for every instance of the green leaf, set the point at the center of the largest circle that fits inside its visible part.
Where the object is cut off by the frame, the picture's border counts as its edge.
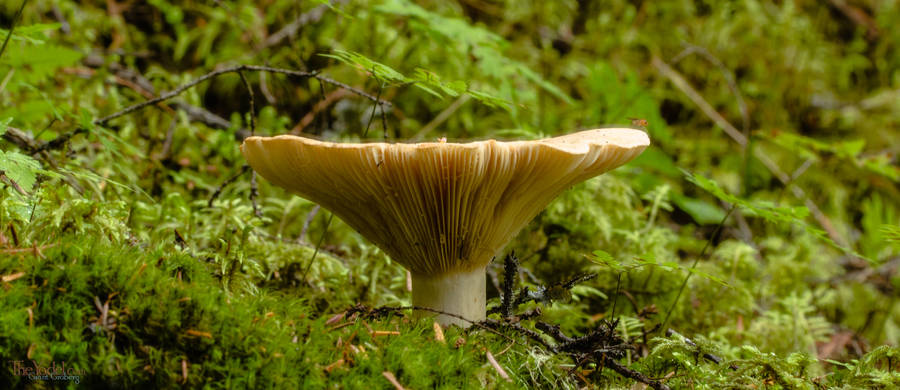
(21, 168)
(703, 212)
(4, 123)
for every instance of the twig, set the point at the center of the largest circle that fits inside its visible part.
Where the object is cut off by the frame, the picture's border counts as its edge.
(729, 79)
(290, 30)
(318, 107)
(318, 245)
(180, 89)
(309, 217)
(141, 85)
(694, 265)
(859, 17)
(12, 183)
(12, 27)
(739, 137)
(167, 143)
(221, 187)
(254, 194)
(510, 271)
(441, 117)
(391, 378)
(374, 106)
(264, 87)
(629, 373)
(252, 102)
(497, 367)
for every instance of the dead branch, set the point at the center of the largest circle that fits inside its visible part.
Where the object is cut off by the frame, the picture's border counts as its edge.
(685, 87)
(232, 69)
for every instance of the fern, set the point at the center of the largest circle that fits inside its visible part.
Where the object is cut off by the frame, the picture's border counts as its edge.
(423, 79)
(484, 45)
(850, 151)
(769, 212)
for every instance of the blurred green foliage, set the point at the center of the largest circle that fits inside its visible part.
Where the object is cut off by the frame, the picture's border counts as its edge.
(207, 294)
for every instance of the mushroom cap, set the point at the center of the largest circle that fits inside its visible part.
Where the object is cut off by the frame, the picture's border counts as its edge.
(436, 207)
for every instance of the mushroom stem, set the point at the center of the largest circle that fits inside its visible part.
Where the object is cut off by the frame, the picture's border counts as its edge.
(460, 293)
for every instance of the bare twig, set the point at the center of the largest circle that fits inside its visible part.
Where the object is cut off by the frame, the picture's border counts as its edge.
(252, 102)
(510, 271)
(374, 106)
(739, 137)
(391, 378)
(254, 194)
(859, 17)
(729, 79)
(180, 89)
(322, 104)
(694, 265)
(12, 183)
(309, 217)
(290, 30)
(224, 184)
(629, 373)
(318, 245)
(141, 85)
(497, 367)
(441, 117)
(264, 87)
(12, 26)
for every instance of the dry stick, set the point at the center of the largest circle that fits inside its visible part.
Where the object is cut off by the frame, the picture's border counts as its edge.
(141, 85)
(12, 26)
(254, 190)
(729, 79)
(629, 373)
(391, 378)
(13, 183)
(180, 89)
(291, 28)
(739, 137)
(318, 245)
(230, 180)
(374, 106)
(309, 217)
(326, 101)
(441, 117)
(510, 270)
(694, 265)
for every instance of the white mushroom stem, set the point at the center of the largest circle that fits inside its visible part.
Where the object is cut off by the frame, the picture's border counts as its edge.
(460, 293)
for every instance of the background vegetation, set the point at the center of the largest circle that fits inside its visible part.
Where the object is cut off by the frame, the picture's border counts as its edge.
(762, 228)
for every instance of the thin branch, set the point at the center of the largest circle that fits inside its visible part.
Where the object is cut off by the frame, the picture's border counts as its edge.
(510, 271)
(290, 30)
(739, 137)
(224, 184)
(632, 374)
(254, 194)
(374, 106)
(12, 183)
(318, 245)
(309, 217)
(252, 102)
(12, 26)
(729, 79)
(184, 87)
(141, 85)
(694, 265)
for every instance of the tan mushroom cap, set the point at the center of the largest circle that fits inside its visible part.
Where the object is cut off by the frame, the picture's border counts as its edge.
(435, 207)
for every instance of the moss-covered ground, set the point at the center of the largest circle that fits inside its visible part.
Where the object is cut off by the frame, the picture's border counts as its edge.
(754, 245)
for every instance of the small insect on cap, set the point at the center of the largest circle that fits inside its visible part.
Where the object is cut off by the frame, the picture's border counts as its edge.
(442, 210)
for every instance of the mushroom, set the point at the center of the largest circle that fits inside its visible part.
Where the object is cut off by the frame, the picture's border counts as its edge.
(442, 210)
